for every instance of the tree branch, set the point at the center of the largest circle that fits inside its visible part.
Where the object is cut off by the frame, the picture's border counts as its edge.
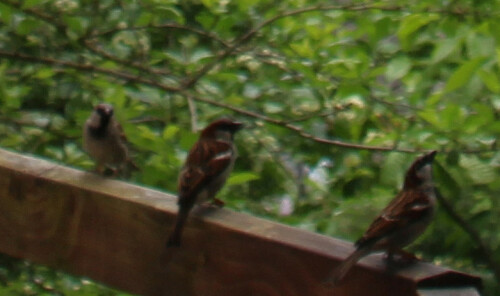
(88, 68)
(300, 131)
(90, 45)
(138, 79)
(238, 42)
(37, 14)
(165, 26)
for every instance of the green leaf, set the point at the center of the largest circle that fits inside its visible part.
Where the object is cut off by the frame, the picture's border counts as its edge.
(431, 116)
(483, 117)
(146, 132)
(479, 45)
(242, 177)
(187, 140)
(303, 47)
(170, 14)
(463, 74)
(490, 79)
(45, 73)
(411, 24)
(76, 26)
(199, 55)
(30, 3)
(205, 19)
(443, 49)
(452, 117)
(478, 171)
(170, 131)
(398, 68)
(498, 56)
(13, 102)
(144, 19)
(393, 169)
(27, 26)
(5, 13)
(273, 107)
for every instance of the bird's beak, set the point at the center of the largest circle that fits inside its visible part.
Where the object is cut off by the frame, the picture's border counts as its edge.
(238, 126)
(429, 157)
(108, 111)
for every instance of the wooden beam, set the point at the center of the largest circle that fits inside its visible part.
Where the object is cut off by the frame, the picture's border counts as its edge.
(460, 291)
(115, 233)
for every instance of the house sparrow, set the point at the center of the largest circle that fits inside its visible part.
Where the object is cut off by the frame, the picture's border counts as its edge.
(401, 222)
(105, 142)
(207, 168)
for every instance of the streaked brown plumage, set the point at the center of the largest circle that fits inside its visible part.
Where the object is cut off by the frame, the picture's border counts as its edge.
(401, 222)
(207, 167)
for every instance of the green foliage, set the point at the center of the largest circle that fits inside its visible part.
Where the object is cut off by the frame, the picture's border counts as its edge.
(419, 77)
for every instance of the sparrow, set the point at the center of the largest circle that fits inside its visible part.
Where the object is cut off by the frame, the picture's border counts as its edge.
(207, 167)
(401, 222)
(105, 141)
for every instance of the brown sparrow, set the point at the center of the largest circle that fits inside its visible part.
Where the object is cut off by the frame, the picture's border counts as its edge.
(105, 142)
(207, 167)
(401, 222)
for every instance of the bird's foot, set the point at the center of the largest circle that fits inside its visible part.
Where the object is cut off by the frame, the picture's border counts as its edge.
(217, 202)
(401, 257)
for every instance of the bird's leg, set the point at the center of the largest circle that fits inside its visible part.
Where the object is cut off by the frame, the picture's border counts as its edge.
(98, 169)
(407, 256)
(389, 256)
(217, 202)
(400, 257)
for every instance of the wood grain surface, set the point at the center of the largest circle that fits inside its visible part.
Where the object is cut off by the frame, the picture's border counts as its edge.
(115, 233)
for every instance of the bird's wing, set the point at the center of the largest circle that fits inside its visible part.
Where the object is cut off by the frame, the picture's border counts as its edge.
(206, 161)
(407, 207)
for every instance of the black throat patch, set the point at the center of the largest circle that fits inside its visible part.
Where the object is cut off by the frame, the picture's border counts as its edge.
(100, 131)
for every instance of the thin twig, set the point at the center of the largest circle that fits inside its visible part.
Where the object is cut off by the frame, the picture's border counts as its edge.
(238, 42)
(90, 45)
(194, 117)
(37, 14)
(278, 122)
(147, 120)
(86, 41)
(320, 115)
(164, 26)
(88, 68)
(300, 131)
(394, 105)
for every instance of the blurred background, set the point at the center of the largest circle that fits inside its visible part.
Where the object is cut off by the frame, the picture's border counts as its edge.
(338, 99)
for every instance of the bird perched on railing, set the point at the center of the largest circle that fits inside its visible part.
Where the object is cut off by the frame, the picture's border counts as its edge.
(401, 222)
(105, 141)
(207, 167)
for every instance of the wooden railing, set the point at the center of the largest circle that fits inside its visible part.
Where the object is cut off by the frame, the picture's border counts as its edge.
(115, 233)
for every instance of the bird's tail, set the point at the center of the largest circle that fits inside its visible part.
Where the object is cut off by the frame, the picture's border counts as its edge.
(341, 270)
(175, 238)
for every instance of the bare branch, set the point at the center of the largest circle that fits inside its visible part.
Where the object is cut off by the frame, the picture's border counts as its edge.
(194, 117)
(90, 45)
(300, 131)
(37, 14)
(278, 122)
(88, 68)
(165, 26)
(238, 42)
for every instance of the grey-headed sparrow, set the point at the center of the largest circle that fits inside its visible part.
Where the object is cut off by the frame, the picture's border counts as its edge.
(105, 142)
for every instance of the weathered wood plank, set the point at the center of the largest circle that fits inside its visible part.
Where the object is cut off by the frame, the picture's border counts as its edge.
(461, 291)
(115, 232)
